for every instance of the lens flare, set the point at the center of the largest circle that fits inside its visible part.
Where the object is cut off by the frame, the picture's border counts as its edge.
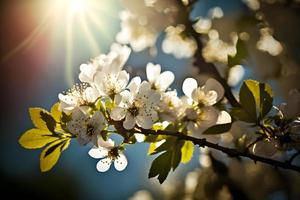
(77, 6)
(65, 19)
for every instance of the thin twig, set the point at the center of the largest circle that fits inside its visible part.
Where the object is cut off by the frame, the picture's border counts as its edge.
(229, 151)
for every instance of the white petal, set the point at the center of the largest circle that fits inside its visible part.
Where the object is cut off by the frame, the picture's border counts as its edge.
(139, 137)
(129, 122)
(165, 80)
(121, 162)
(105, 144)
(144, 121)
(118, 113)
(98, 121)
(123, 79)
(70, 100)
(134, 84)
(188, 86)
(224, 117)
(210, 116)
(104, 165)
(91, 94)
(87, 72)
(212, 84)
(98, 152)
(211, 97)
(152, 72)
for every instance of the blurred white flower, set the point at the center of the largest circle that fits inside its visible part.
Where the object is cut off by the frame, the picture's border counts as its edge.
(79, 95)
(159, 81)
(203, 25)
(252, 4)
(141, 195)
(291, 109)
(268, 43)
(217, 50)
(137, 106)
(236, 74)
(266, 147)
(86, 128)
(108, 153)
(134, 31)
(170, 107)
(176, 43)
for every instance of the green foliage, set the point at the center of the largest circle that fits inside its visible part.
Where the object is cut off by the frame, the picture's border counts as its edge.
(42, 119)
(173, 151)
(187, 151)
(256, 101)
(47, 132)
(217, 129)
(52, 152)
(36, 138)
(241, 54)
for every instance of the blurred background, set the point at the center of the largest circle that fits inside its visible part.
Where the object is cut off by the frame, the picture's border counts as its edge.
(43, 43)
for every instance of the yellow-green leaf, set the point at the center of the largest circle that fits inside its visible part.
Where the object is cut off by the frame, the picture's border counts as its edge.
(187, 151)
(42, 119)
(51, 154)
(55, 112)
(36, 138)
(152, 148)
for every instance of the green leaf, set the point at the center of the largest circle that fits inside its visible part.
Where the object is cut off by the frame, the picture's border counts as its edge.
(51, 154)
(248, 95)
(42, 119)
(152, 148)
(55, 112)
(165, 146)
(217, 129)
(266, 99)
(36, 138)
(256, 100)
(168, 160)
(241, 54)
(161, 166)
(187, 151)
(176, 154)
(241, 114)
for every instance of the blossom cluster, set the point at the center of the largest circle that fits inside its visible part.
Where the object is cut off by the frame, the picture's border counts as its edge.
(134, 103)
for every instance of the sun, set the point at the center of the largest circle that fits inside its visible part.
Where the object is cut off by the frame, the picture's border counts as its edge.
(77, 6)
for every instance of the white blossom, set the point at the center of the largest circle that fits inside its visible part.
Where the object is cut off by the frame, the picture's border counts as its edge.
(177, 44)
(207, 95)
(111, 80)
(159, 81)
(79, 95)
(199, 101)
(109, 153)
(138, 106)
(291, 109)
(86, 128)
(134, 31)
(170, 107)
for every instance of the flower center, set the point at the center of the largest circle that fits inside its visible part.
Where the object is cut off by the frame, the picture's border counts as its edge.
(134, 111)
(90, 129)
(113, 153)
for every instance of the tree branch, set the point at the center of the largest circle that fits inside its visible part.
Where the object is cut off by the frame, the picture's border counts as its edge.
(229, 151)
(204, 143)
